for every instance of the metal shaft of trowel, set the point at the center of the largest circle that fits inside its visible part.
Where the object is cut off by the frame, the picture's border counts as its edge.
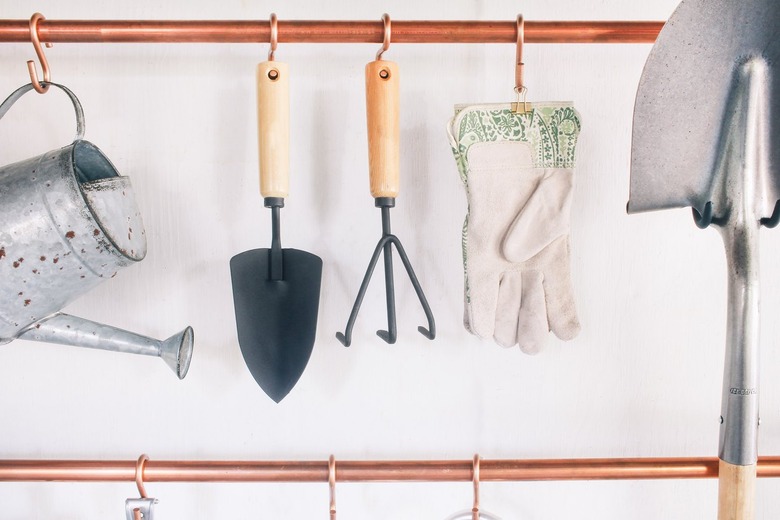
(276, 271)
(390, 336)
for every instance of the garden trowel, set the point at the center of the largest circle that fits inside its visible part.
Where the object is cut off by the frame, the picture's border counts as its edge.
(276, 292)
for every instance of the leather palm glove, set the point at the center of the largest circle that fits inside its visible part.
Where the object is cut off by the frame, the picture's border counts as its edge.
(518, 174)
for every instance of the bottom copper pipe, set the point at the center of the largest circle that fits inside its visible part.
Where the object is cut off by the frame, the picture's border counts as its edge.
(370, 471)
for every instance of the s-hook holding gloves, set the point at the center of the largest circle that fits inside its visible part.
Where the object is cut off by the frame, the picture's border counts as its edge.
(518, 174)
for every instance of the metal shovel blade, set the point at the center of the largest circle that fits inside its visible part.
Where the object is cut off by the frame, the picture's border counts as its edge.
(705, 135)
(276, 320)
(686, 94)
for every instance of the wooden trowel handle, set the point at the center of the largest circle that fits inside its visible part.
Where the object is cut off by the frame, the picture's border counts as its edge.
(736, 491)
(384, 131)
(273, 128)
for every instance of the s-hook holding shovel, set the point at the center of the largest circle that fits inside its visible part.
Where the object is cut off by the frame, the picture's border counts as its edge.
(706, 136)
(383, 120)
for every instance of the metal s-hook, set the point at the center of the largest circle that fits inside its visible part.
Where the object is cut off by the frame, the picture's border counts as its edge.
(332, 485)
(274, 38)
(386, 37)
(475, 480)
(139, 474)
(140, 508)
(521, 106)
(519, 53)
(40, 88)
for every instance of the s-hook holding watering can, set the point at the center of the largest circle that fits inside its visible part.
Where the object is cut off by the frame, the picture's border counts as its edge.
(69, 221)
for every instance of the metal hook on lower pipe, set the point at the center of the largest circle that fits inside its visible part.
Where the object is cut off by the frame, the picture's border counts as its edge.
(332, 485)
(140, 508)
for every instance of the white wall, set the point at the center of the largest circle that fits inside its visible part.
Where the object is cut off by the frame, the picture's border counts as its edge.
(642, 379)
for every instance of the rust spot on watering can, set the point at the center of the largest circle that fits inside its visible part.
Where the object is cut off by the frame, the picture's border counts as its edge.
(2, 252)
(96, 232)
(70, 234)
(56, 259)
(27, 302)
(43, 258)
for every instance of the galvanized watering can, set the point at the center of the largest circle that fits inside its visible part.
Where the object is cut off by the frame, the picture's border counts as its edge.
(68, 221)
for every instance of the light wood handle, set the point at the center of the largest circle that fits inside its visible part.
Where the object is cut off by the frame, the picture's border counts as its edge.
(273, 128)
(736, 491)
(384, 129)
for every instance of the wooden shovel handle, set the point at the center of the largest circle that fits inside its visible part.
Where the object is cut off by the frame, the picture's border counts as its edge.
(736, 491)
(273, 128)
(384, 131)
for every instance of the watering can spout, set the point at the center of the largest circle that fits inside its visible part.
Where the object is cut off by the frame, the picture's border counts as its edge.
(65, 329)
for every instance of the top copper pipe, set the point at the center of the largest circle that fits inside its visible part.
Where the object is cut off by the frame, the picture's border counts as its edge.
(370, 471)
(311, 31)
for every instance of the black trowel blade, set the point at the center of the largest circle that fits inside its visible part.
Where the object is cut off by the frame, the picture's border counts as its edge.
(276, 320)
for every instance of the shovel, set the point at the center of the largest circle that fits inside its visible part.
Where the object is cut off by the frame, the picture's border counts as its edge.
(276, 292)
(704, 136)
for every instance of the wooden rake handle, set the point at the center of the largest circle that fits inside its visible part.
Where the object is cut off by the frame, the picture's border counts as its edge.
(384, 131)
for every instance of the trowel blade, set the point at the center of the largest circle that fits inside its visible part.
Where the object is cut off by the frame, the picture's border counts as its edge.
(276, 320)
(687, 98)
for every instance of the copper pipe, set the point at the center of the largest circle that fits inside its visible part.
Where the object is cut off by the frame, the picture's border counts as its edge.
(318, 31)
(370, 471)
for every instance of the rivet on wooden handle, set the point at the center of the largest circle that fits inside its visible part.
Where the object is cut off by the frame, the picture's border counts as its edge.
(273, 128)
(384, 130)
(736, 491)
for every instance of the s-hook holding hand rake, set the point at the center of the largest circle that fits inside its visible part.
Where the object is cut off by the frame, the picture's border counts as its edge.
(383, 163)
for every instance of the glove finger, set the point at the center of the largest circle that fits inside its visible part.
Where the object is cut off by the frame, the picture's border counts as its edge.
(481, 303)
(532, 317)
(559, 294)
(508, 308)
(543, 219)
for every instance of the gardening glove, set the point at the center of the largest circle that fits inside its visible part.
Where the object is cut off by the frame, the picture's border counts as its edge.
(517, 170)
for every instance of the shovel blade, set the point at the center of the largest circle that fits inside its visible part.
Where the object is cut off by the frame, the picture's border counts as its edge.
(686, 113)
(276, 320)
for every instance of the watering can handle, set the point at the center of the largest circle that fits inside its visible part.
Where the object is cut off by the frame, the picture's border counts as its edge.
(10, 100)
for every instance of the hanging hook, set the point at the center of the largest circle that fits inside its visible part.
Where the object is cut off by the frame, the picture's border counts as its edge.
(475, 480)
(519, 54)
(386, 38)
(521, 107)
(140, 508)
(139, 482)
(139, 474)
(274, 39)
(40, 88)
(332, 485)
